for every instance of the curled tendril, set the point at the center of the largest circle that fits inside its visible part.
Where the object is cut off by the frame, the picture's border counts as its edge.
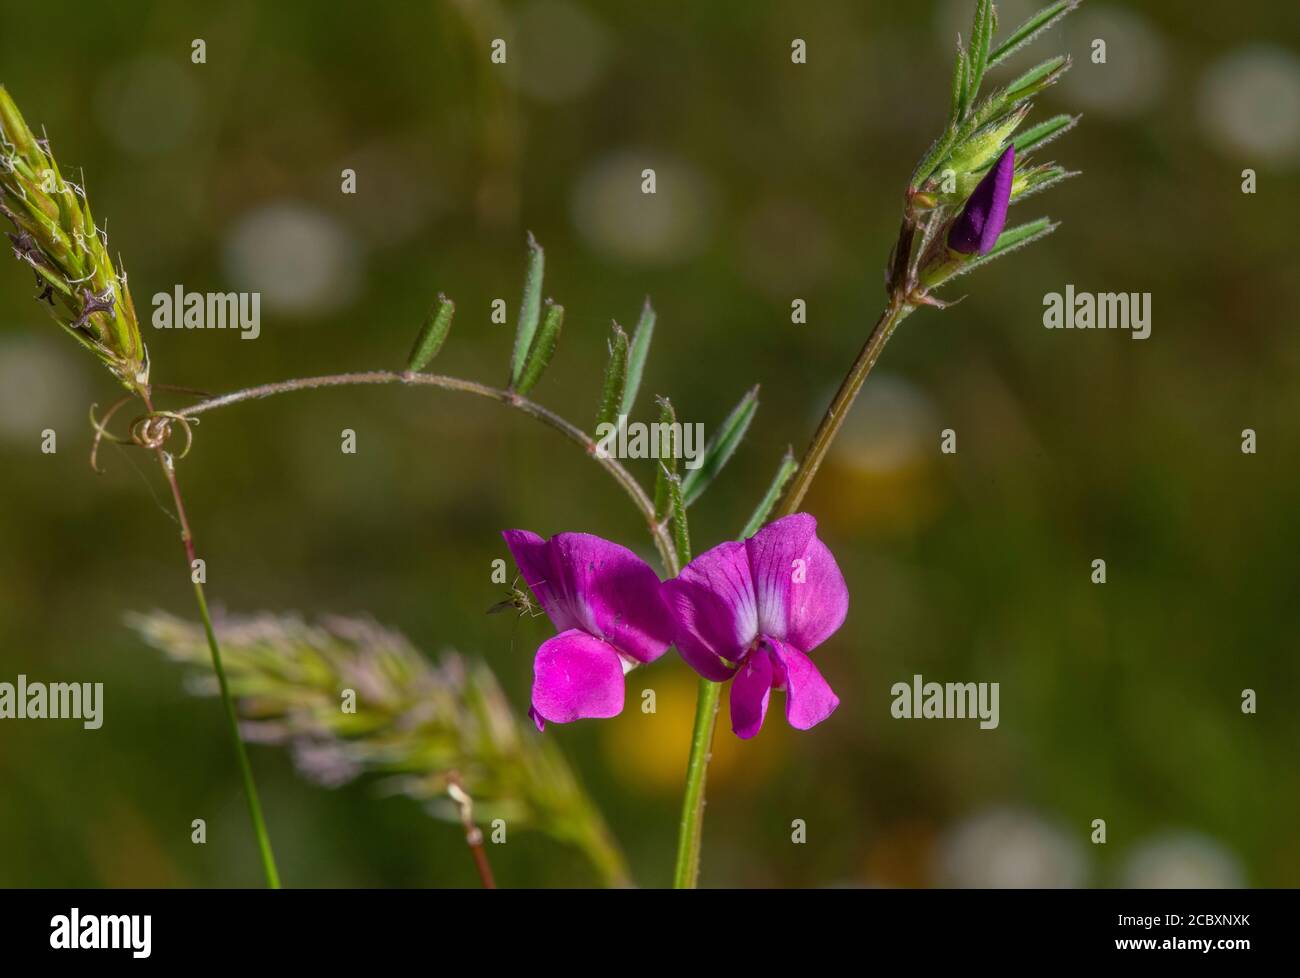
(102, 432)
(150, 431)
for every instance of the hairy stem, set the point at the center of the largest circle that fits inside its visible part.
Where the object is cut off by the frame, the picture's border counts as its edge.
(662, 538)
(245, 769)
(815, 453)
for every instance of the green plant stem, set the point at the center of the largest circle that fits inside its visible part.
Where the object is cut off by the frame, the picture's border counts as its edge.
(815, 453)
(690, 835)
(245, 769)
(686, 875)
(659, 533)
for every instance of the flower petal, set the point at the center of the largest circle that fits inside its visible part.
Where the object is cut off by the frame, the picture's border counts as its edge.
(582, 581)
(801, 594)
(712, 601)
(614, 593)
(808, 697)
(750, 691)
(981, 221)
(576, 676)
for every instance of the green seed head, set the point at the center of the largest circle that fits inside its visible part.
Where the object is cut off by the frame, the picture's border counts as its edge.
(54, 233)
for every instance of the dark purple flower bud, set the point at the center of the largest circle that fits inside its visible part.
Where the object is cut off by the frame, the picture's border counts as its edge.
(976, 229)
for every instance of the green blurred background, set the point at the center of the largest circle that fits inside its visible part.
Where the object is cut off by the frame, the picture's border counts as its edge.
(775, 181)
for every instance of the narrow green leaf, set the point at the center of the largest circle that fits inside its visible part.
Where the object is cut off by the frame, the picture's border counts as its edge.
(980, 40)
(988, 25)
(637, 353)
(1044, 133)
(1019, 236)
(432, 334)
(677, 508)
(1030, 29)
(543, 348)
(1002, 104)
(1010, 240)
(611, 396)
(530, 309)
(669, 449)
(1037, 179)
(1037, 78)
(721, 447)
(959, 83)
(783, 473)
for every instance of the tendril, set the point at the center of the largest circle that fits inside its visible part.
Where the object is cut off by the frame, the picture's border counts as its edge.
(151, 431)
(102, 432)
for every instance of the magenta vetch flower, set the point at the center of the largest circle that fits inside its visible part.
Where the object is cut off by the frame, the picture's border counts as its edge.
(605, 603)
(753, 611)
(977, 227)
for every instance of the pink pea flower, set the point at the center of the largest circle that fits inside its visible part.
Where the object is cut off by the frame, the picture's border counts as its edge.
(605, 603)
(753, 611)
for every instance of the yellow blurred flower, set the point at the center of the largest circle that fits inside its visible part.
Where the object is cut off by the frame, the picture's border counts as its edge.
(648, 750)
(881, 474)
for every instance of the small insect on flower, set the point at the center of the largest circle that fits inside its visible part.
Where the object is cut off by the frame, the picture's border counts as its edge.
(518, 599)
(609, 618)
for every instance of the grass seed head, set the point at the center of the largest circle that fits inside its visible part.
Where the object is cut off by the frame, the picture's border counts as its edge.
(56, 236)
